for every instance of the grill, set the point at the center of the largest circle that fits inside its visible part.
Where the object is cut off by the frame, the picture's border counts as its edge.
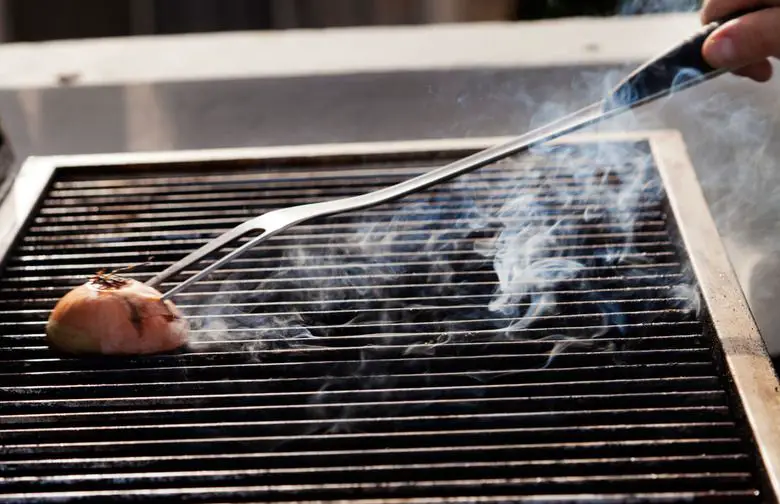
(557, 327)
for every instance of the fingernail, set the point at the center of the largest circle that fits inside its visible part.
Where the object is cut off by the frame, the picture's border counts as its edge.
(722, 52)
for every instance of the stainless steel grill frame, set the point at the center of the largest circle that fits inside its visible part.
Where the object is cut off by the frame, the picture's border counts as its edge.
(746, 362)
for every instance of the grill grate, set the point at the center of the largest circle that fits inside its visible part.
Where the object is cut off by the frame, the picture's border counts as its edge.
(530, 329)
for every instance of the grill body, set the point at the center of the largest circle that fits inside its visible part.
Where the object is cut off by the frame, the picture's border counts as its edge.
(406, 353)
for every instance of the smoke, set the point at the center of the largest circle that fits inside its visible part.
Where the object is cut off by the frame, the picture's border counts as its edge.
(731, 136)
(735, 146)
(560, 252)
(730, 132)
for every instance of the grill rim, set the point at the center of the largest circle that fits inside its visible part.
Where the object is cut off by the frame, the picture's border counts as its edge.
(751, 375)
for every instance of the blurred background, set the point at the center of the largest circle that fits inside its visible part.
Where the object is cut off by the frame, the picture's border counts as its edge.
(39, 20)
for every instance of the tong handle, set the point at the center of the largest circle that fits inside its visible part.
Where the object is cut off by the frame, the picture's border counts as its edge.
(681, 65)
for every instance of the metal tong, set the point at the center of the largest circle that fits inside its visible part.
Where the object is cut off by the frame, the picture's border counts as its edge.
(681, 67)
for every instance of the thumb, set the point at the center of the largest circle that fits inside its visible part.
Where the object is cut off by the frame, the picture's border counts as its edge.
(749, 39)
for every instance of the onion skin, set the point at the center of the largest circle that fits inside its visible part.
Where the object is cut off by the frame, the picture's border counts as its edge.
(110, 315)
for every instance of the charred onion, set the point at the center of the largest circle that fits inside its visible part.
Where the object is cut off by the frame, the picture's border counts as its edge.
(112, 315)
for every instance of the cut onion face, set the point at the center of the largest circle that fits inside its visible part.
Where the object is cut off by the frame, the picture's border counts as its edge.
(111, 315)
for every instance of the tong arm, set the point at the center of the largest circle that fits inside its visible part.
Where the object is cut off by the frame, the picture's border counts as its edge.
(675, 69)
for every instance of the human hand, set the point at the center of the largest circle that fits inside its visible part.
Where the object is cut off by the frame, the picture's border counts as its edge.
(743, 45)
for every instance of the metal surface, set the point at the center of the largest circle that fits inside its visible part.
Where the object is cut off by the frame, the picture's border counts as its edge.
(744, 349)
(374, 400)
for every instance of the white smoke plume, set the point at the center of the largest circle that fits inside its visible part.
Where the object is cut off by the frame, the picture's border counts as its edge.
(506, 254)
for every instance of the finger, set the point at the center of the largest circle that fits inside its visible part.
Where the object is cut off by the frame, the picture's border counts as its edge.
(719, 9)
(750, 39)
(759, 72)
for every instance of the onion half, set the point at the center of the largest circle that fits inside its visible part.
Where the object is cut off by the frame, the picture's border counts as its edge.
(111, 315)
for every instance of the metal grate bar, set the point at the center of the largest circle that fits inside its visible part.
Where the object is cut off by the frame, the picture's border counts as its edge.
(687, 383)
(344, 176)
(538, 377)
(268, 204)
(227, 216)
(229, 191)
(624, 483)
